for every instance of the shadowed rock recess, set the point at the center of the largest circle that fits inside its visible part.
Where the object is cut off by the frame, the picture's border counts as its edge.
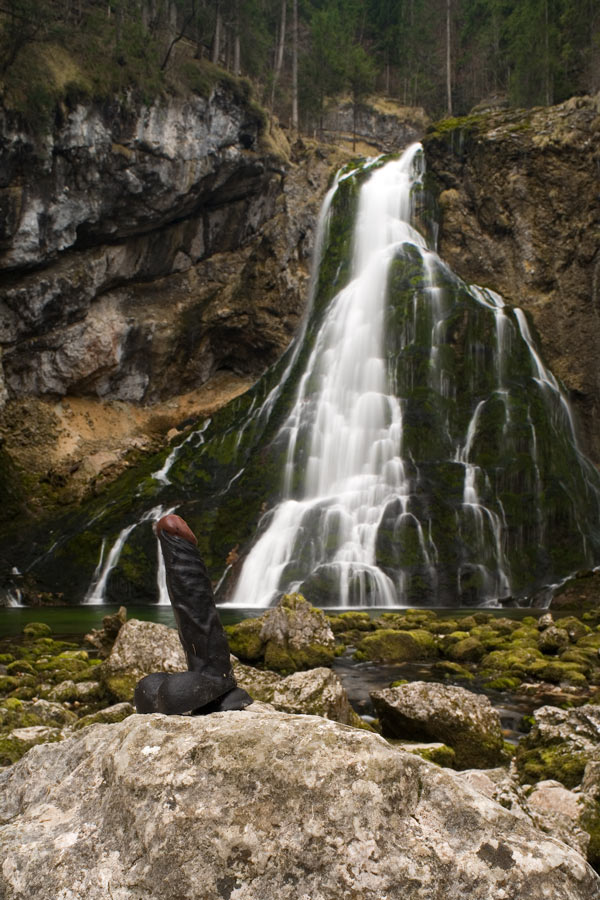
(259, 805)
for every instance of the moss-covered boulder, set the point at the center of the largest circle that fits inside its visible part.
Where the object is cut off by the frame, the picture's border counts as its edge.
(452, 670)
(37, 630)
(389, 645)
(353, 620)
(468, 650)
(560, 744)
(290, 637)
(465, 721)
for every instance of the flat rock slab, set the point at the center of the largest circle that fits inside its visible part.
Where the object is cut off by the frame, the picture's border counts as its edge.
(260, 805)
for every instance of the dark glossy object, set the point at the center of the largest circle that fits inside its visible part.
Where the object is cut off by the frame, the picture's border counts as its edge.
(209, 684)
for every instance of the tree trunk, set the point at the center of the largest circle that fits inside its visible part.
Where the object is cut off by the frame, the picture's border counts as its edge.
(295, 66)
(236, 40)
(279, 51)
(216, 48)
(448, 60)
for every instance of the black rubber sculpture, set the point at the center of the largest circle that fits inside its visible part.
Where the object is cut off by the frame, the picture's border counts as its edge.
(209, 684)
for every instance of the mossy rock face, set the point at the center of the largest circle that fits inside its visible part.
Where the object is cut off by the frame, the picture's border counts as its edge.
(465, 721)
(440, 754)
(20, 667)
(575, 628)
(14, 745)
(121, 686)
(468, 650)
(388, 645)
(351, 621)
(553, 639)
(559, 745)
(37, 630)
(287, 638)
(452, 670)
(245, 641)
(507, 683)
(8, 683)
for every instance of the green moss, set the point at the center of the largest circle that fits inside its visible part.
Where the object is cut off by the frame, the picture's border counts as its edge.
(121, 686)
(590, 822)
(397, 646)
(507, 683)
(441, 755)
(245, 641)
(347, 621)
(468, 650)
(37, 630)
(555, 761)
(20, 667)
(278, 659)
(8, 683)
(452, 670)
(105, 716)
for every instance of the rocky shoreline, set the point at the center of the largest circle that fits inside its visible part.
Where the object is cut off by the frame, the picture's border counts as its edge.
(52, 691)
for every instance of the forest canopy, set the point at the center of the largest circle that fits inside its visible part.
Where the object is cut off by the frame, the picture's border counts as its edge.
(444, 55)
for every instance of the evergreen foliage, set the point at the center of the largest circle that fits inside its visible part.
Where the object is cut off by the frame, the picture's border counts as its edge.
(439, 54)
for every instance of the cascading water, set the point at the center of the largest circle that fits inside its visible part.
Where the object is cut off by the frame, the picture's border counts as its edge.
(378, 432)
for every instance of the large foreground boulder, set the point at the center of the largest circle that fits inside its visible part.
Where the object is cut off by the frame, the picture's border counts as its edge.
(259, 805)
(424, 711)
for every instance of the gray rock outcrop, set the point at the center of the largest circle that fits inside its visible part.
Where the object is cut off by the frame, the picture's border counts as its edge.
(258, 805)
(465, 721)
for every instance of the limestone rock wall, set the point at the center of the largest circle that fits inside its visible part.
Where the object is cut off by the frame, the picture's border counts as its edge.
(144, 248)
(520, 213)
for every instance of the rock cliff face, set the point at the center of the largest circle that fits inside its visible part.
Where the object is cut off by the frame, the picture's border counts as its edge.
(520, 213)
(142, 250)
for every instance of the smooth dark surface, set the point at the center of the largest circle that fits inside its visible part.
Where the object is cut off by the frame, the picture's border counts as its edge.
(209, 684)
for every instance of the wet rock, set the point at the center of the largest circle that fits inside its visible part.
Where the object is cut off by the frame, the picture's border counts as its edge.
(560, 744)
(465, 721)
(203, 806)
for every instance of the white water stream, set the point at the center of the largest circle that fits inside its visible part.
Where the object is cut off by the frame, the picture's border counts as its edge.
(354, 423)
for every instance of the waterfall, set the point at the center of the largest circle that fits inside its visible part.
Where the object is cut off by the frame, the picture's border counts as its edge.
(411, 447)
(405, 443)
(96, 593)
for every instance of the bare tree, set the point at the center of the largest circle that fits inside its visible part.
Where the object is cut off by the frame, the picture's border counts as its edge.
(295, 65)
(216, 48)
(448, 57)
(279, 50)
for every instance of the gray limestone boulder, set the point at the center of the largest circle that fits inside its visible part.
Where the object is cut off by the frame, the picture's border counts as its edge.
(139, 649)
(424, 711)
(260, 805)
